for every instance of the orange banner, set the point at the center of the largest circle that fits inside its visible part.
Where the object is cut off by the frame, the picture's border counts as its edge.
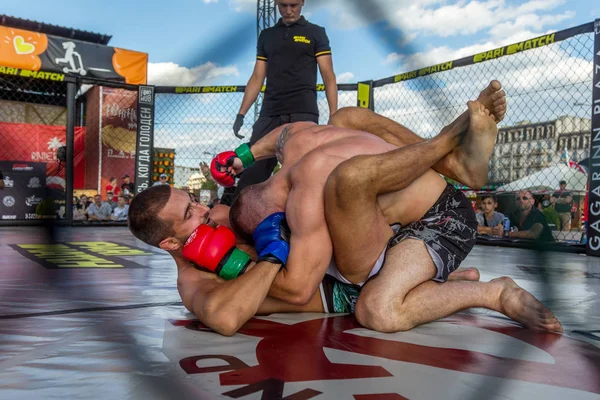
(23, 51)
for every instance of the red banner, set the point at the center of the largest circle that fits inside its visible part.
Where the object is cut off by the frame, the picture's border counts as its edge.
(39, 143)
(119, 130)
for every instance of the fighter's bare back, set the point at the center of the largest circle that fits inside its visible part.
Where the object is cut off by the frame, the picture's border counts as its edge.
(312, 152)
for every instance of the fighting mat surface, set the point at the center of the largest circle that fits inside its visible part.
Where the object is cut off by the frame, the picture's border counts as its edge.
(97, 316)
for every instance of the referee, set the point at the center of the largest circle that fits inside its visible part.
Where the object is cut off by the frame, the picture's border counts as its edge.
(287, 55)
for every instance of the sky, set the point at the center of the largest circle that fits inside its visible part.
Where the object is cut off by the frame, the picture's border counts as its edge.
(212, 42)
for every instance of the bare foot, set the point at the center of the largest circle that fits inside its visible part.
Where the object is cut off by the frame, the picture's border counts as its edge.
(494, 99)
(473, 154)
(523, 307)
(464, 274)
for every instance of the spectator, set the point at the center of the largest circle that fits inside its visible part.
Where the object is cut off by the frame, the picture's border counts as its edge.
(85, 203)
(99, 210)
(121, 210)
(287, 55)
(109, 200)
(127, 187)
(529, 221)
(563, 202)
(490, 222)
(162, 180)
(79, 210)
(550, 213)
(114, 189)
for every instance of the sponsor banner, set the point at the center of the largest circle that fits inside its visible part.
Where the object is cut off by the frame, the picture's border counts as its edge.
(26, 73)
(493, 54)
(24, 50)
(24, 191)
(81, 254)
(593, 231)
(234, 89)
(145, 139)
(119, 130)
(33, 143)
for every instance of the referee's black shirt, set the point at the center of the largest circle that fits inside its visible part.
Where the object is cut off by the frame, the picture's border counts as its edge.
(291, 54)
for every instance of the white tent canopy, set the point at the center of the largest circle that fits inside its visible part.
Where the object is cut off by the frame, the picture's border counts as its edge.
(548, 179)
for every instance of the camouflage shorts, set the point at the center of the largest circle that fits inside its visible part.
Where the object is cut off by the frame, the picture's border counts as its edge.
(338, 297)
(449, 229)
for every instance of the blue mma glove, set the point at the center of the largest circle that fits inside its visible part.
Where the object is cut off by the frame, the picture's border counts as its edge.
(271, 239)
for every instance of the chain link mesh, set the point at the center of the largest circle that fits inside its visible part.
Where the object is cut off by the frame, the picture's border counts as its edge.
(544, 138)
(32, 132)
(547, 128)
(195, 127)
(105, 144)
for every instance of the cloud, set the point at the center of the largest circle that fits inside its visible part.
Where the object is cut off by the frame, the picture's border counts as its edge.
(210, 1)
(345, 77)
(243, 5)
(524, 22)
(393, 58)
(443, 18)
(171, 74)
(449, 20)
(541, 85)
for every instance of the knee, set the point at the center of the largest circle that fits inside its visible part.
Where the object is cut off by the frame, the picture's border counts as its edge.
(381, 316)
(349, 175)
(340, 183)
(344, 117)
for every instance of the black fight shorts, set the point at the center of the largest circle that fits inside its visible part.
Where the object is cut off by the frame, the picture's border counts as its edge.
(448, 229)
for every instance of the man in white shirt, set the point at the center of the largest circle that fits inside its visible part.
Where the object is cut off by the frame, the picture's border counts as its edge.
(121, 210)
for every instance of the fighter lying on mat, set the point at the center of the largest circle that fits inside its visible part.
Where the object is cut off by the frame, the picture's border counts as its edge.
(363, 197)
(227, 305)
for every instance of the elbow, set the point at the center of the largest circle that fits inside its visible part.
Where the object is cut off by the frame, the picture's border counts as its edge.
(301, 297)
(219, 320)
(226, 325)
(227, 329)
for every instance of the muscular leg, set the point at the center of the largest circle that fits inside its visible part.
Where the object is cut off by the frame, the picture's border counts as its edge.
(464, 274)
(358, 228)
(403, 295)
(468, 163)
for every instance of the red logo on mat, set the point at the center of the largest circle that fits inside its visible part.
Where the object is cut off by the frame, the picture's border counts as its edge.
(295, 353)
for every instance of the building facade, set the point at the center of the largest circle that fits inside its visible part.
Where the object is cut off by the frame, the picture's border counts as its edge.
(526, 148)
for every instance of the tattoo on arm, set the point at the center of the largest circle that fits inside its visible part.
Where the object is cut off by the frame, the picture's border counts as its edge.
(283, 137)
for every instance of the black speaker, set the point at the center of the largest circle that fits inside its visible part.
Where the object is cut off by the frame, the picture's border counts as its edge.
(61, 153)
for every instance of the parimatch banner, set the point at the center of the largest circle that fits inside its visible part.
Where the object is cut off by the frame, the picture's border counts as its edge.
(22, 52)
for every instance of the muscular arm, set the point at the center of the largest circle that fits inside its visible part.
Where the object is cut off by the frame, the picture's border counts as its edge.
(225, 305)
(254, 86)
(271, 144)
(329, 79)
(311, 249)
